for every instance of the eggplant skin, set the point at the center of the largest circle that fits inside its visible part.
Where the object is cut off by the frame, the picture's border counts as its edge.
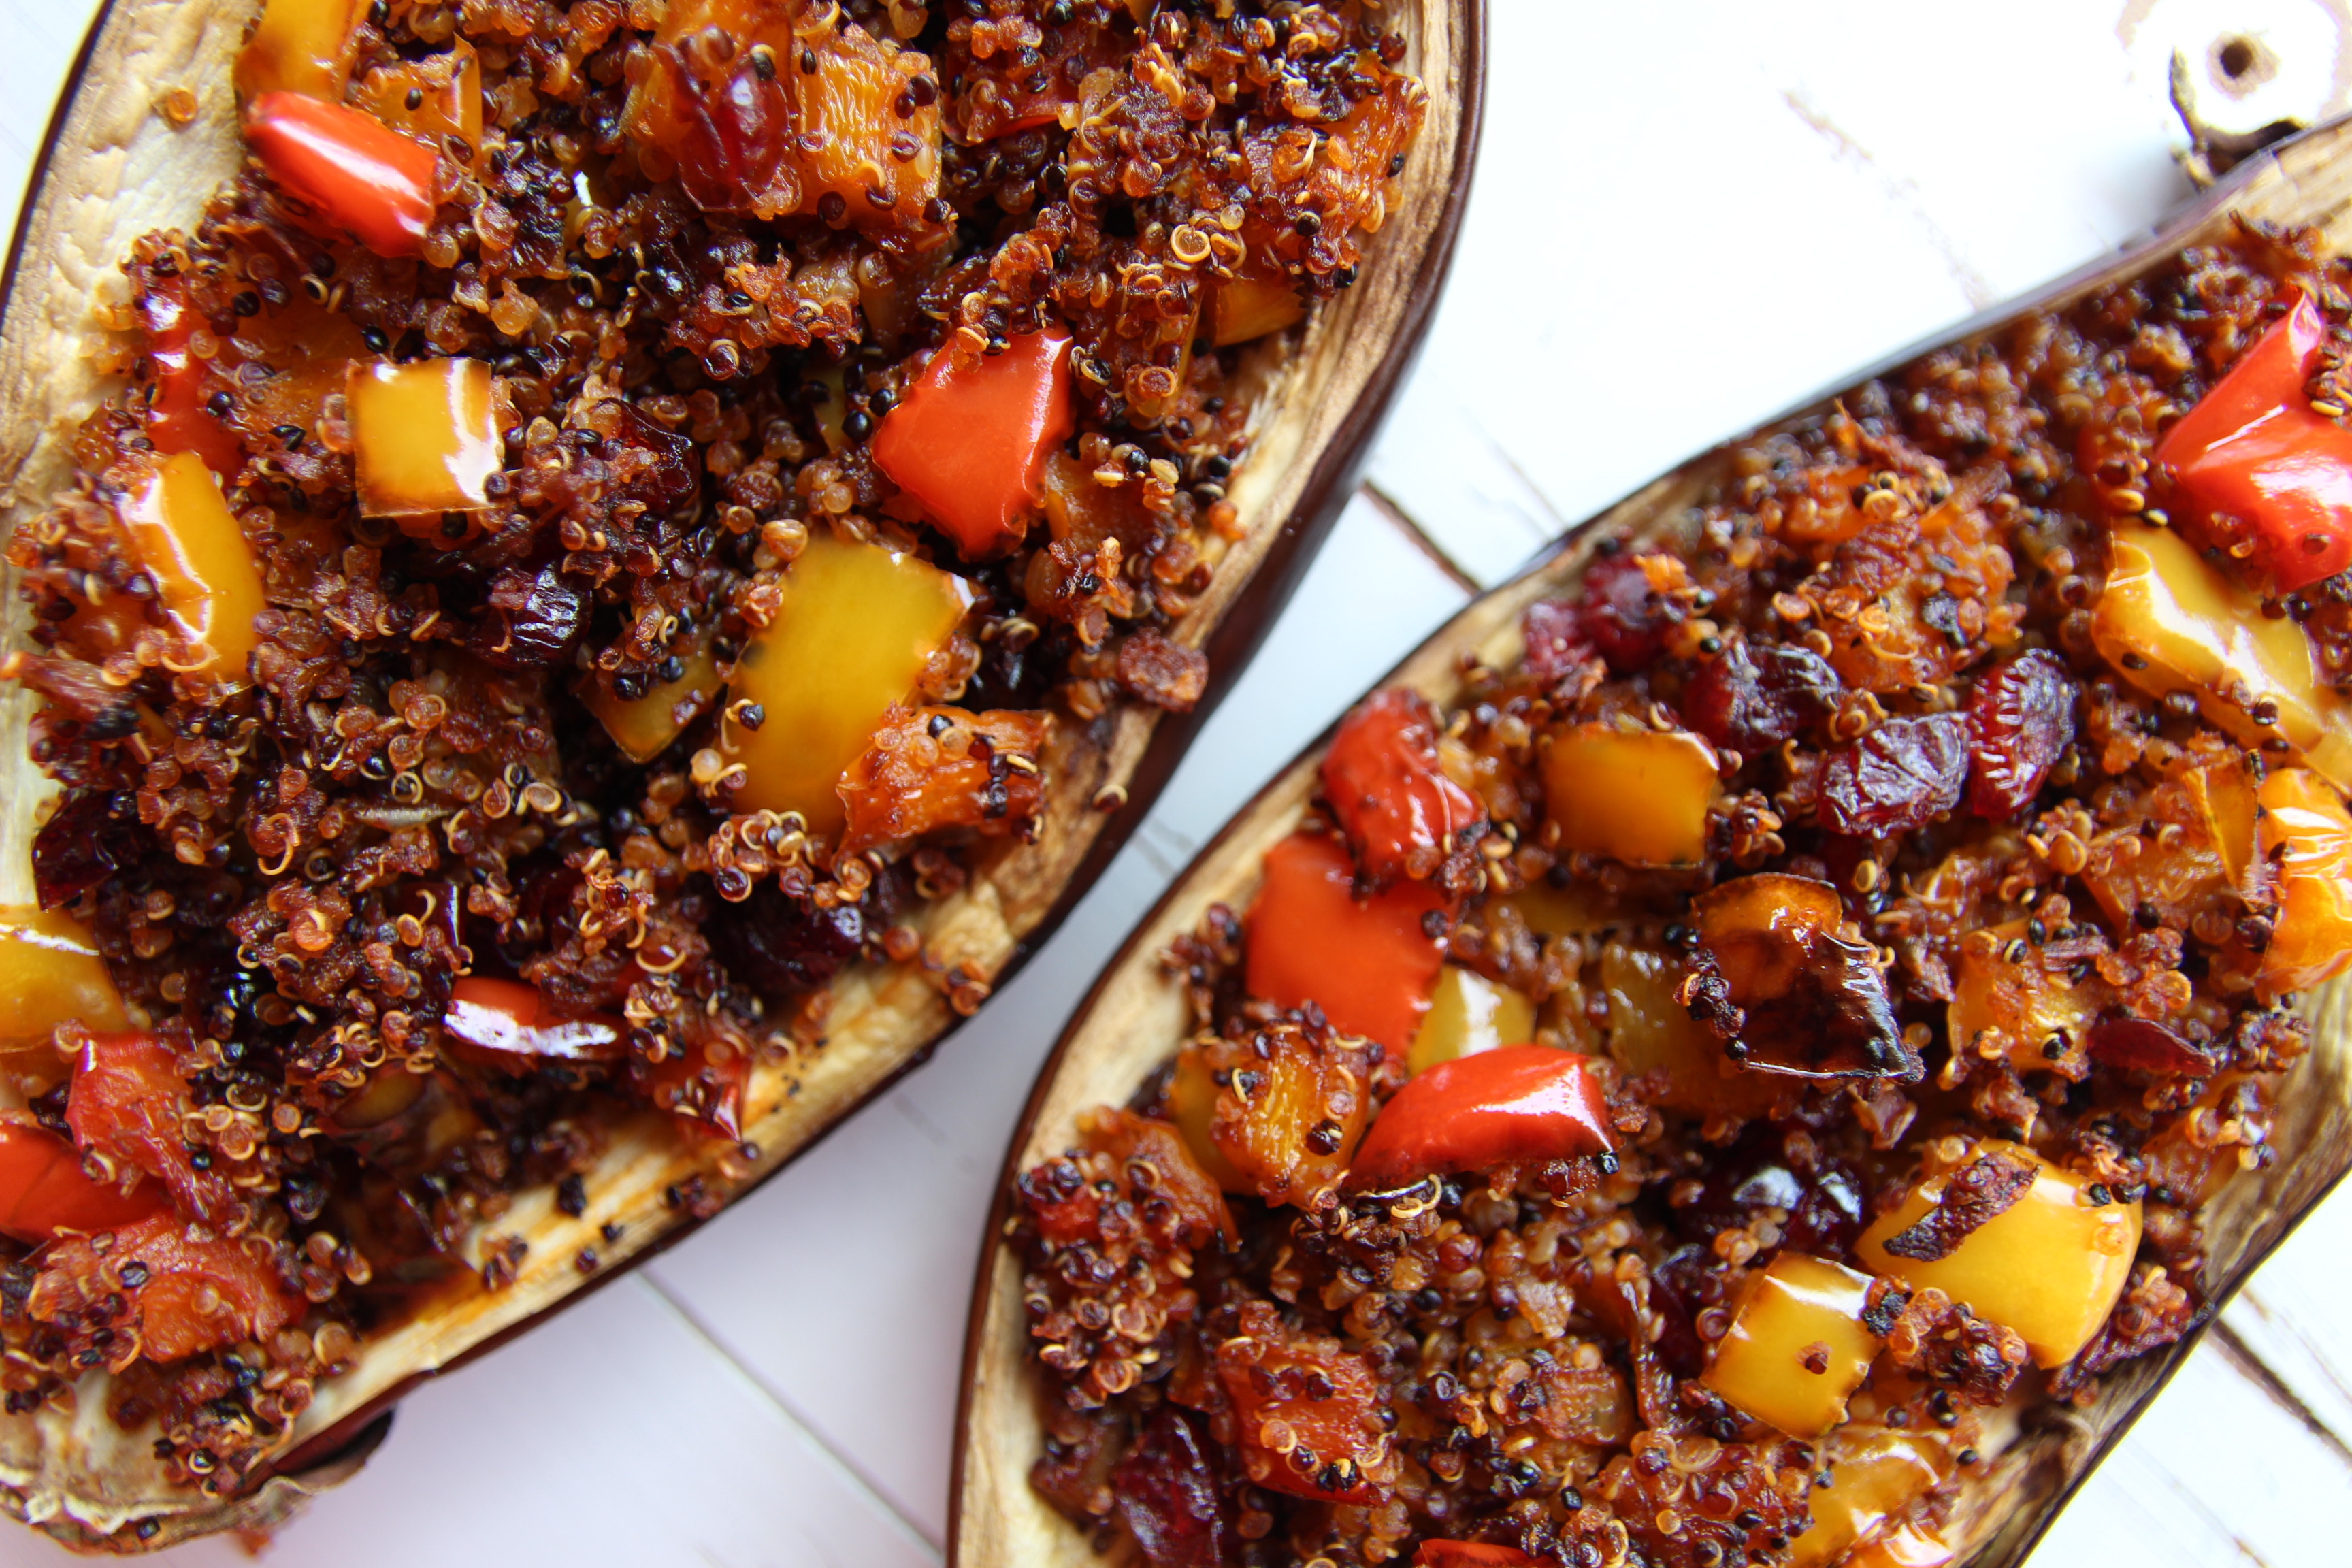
(115, 168)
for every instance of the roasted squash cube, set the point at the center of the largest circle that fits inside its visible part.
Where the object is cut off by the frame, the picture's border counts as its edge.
(2008, 1000)
(190, 544)
(2186, 852)
(1468, 1014)
(299, 46)
(855, 146)
(932, 768)
(51, 973)
(1807, 994)
(433, 99)
(1797, 1349)
(1636, 796)
(2306, 835)
(1252, 306)
(1192, 1103)
(2050, 1266)
(1292, 1102)
(857, 625)
(1306, 1411)
(2168, 622)
(1876, 1472)
(200, 1291)
(1650, 1031)
(425, 439)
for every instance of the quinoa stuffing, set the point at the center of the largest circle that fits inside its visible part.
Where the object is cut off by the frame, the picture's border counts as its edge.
(1684, 1102)
(618, 507)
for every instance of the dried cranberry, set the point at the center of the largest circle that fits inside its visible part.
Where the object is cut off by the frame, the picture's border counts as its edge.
(1617, 617)
(1555, 639)
(80, 846)
(2020, 722)
(656, 465)
(731, 134)
(1823, 1203)
(532, 622)
(1167, 1495)
(782, 945)
(2147, 1046)
(1686, 1282)
(1749, 700)
(1904, 775)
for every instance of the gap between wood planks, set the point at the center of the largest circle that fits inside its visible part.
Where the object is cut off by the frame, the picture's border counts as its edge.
(1419, 538)
(852, 1472)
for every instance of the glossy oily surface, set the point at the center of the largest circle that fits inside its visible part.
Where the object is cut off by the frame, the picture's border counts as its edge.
(50, 972)
(191, 544)
(1796, 1346)
(1638, 796)
(425, 439)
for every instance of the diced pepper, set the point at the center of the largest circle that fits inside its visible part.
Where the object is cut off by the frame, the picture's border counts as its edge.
(2030, 1010)
(857, 625)
(1812, 1002)
(2051, 1265)
(1251, 306)
(643, 726)
(2306, 838)
(299, 46)
(425, 439)
(932, 768)
(1370, 963)
(51, 973)
(1876, 1472)
(126, 1103)
(359, 174)
(2253, 450)
(200, 1291)
(1518, 1104)
(44, 1190)
(970, 439)
(1468, 1013)
(508, 1019)
(447, 88)
(189, 542)
(1400, 813)
(703, 1086)
(2170, 623)
(1292, 1104)
(882, 166)
(1650, 1031)
(177, 419)
(1192, 1103)
(1797, 1349)
(1636, 796)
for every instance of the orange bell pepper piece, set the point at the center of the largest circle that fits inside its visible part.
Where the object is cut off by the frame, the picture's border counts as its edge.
(969, 441)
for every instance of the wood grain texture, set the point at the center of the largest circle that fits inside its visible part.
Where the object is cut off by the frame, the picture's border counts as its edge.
(1136, 1017)
(116, 169)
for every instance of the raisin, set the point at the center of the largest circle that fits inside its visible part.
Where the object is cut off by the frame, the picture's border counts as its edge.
(1825, 1204)
(782, 945)
(2147, 1046)
(532, 622)
(1167, 1495)
(1904, 775)
(1749, 700)
(2020, 721)
(79, 846)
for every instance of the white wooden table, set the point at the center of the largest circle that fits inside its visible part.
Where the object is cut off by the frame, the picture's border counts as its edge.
(1728, 205)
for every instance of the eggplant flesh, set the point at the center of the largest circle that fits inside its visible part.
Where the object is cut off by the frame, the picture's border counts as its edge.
(1136, 1018)
(116, 167)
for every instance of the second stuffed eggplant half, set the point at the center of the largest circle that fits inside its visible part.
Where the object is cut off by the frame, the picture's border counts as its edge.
(1756, 1046)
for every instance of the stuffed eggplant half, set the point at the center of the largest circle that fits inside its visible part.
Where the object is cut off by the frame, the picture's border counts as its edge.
(584, 576)
(1755, 1048)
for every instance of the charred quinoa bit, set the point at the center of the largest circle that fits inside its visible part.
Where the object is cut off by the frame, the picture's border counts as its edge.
(1892, 1031)
(455, 631)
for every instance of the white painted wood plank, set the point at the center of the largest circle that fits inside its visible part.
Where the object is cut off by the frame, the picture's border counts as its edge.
(842, 1285)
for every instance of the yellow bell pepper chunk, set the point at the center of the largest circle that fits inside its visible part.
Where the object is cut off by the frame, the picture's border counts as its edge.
(1192, 1102)
(51, 973)
(1876, 1472)
(1247, 308)
(1576, 909)
(1797, 1349)
(1636, 796)
(858, 624)
(448, 88)
(643, 726)
(2170, 623)
(2036, 1017)
(2051, 1265)
(1468, 1014)
(191, 545)
(425, 438)
(1649, 1031)
(299, 46)
(2306, 835)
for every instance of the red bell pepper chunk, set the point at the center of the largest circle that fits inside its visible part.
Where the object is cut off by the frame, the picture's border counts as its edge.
(355, 169)
(1382, 779)
(177, 420)
(1507, 1105)
(969, 441)
(508, 1019)
(127, 1102)
(1469, 1554)
(1371, 963)
(2253, 448)
(704, 1092)
(195, 1292)
(44, 1190)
